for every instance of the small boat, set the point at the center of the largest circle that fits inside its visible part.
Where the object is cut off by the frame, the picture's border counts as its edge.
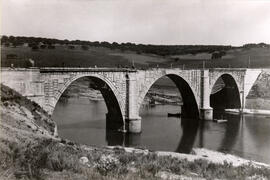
(152, 102)
(220, 120)
(95, 99)
(122, 130)
(174, 114)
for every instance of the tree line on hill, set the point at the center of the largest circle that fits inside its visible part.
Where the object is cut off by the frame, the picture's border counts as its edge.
(162, 50)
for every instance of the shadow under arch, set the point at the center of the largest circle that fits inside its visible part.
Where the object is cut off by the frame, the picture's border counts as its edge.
(114, 116)
(190, 106)
(190, 129)
(225, 94)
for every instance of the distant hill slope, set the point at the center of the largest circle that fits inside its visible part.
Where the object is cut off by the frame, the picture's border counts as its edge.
(60, 56)
(20, 56)
(241, 57)
(40, 52)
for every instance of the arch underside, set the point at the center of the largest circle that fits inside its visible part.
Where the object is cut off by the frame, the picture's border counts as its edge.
(227, 97)
(189, 107)
(114, 116)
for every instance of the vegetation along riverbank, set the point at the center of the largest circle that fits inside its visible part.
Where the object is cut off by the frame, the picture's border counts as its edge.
(31, 149)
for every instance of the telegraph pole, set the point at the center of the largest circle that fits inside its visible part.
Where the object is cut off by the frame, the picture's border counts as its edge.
(203, 65)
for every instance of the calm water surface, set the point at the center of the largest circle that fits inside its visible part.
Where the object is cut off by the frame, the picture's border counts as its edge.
(83, 121)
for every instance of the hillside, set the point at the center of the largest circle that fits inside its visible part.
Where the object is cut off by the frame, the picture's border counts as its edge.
(261, 87)
(240, 57)
(19, 112)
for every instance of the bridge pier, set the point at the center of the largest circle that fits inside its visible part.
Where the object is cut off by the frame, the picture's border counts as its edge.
(134, 125)
(133, 119)
(206, 112)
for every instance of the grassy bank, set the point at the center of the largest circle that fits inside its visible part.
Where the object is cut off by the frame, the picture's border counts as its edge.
(60, 160)
(29, 149)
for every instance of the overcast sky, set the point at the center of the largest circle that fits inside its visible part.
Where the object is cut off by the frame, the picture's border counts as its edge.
(234, 22)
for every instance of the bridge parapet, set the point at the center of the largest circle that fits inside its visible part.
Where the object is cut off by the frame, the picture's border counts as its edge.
(86, 69)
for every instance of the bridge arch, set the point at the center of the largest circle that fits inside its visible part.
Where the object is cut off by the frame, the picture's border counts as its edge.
(190, 105)
(115, 107)
(225, 93)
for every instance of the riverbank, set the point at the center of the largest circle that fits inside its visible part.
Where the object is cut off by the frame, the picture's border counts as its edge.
(30, 149)
(249, 111)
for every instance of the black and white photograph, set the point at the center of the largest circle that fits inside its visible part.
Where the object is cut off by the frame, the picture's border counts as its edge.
(135, 89)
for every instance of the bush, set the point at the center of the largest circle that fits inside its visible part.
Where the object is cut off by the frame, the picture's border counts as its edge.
(84, 47)
(35, 48)
(43, 46)
(51, 47)
(107, 163)
(71, 47)
(12, 56)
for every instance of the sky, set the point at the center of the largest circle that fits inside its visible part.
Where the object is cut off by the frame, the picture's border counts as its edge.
(228, 22)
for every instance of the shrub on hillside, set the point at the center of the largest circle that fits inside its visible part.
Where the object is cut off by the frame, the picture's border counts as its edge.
(51, 47)
(84, 47)
(7, 44)
(12, 56)
(71, 47)
(43, 46)
(218, 54)
(35, 48)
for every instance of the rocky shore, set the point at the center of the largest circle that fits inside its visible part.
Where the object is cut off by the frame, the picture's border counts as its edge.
(31, 149)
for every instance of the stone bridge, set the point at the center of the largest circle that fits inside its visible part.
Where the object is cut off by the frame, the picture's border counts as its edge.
(124, 89)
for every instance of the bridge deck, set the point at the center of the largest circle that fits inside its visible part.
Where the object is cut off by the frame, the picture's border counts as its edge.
(104, 69)
(75, 69)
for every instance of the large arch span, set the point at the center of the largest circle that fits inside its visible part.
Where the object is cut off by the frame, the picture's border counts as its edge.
(225, 93)
(115, 114)
(190, 106)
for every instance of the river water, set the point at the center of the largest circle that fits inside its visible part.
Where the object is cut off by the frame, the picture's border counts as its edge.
(83, 121)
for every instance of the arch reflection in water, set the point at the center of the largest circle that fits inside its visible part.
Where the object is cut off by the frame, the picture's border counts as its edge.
(220, 136)
(190, 128)
(188, 132)
(232, 130)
